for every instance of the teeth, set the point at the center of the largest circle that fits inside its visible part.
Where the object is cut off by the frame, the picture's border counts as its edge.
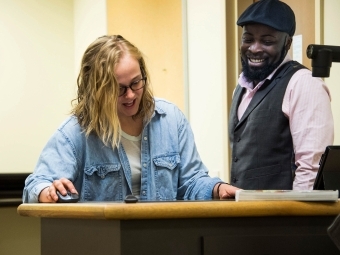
(129, 103)
(255, 60)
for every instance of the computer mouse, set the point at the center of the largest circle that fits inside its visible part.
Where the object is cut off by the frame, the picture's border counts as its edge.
(131, 199)
(68, 198)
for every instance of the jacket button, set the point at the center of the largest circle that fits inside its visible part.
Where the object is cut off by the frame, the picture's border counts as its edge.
(235, 159)
(234, 179)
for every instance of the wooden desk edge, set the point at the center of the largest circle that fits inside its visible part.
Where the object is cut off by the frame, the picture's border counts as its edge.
(173, 210)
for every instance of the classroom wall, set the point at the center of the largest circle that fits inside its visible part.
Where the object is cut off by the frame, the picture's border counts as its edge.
(41, 46)
(332, 37)
(207, 72)
(36, 77)
(90, 22)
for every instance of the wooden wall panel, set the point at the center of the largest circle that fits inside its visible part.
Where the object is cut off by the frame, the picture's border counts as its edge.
(155, 27)
(305, 24)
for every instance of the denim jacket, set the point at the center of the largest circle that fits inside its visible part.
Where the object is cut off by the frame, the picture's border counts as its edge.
(171, 168)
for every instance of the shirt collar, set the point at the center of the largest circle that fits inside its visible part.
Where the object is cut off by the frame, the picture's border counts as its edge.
(159, 109)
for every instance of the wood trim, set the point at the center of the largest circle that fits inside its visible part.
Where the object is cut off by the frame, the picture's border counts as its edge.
(173, 210)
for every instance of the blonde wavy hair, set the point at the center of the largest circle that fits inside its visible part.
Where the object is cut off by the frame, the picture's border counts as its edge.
(97, 96)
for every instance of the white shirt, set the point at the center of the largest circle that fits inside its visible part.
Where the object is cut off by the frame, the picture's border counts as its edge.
(131, 145)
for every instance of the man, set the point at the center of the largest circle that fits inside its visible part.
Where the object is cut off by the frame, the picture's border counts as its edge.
(280, 120)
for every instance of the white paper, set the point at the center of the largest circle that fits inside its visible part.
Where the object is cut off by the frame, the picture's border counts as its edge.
(297, 48)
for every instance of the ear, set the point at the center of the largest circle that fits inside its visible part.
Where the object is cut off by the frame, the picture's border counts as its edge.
(289, 41)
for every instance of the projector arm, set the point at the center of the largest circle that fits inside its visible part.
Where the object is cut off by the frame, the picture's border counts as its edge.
(322, 57)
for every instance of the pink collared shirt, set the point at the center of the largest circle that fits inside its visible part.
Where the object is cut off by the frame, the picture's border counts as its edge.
(306, 104)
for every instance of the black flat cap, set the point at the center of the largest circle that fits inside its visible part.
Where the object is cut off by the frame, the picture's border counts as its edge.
(273, 13)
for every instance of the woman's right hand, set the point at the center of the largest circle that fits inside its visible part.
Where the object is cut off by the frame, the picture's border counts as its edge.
(49, 194)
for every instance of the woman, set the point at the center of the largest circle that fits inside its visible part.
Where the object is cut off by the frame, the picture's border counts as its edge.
(120, 140)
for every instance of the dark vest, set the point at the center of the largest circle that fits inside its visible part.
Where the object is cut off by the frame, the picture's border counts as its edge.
(261, 142)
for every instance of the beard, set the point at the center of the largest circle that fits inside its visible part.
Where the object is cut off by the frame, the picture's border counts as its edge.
(260, 73)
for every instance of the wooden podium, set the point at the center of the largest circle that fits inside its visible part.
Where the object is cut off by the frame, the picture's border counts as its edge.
(197, 227)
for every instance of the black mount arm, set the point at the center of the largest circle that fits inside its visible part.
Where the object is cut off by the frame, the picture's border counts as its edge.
(322, 57)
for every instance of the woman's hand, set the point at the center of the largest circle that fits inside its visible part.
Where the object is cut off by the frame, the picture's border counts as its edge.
(49, 194)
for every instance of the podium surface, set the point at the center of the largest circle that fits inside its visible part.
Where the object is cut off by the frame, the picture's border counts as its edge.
(185, 227)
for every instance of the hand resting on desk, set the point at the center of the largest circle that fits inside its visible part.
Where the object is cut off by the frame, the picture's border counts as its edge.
(224, 191)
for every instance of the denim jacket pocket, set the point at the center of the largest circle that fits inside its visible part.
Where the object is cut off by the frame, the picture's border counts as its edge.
(102, 170)
(167, 161)
(103, 182)
(165, 176)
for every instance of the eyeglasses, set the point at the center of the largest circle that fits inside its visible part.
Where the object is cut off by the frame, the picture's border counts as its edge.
(136, 85)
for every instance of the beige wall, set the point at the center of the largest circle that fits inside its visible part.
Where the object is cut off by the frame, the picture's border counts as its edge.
(207, 77)
(36, 77)
(90, 22)
(38, 48)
